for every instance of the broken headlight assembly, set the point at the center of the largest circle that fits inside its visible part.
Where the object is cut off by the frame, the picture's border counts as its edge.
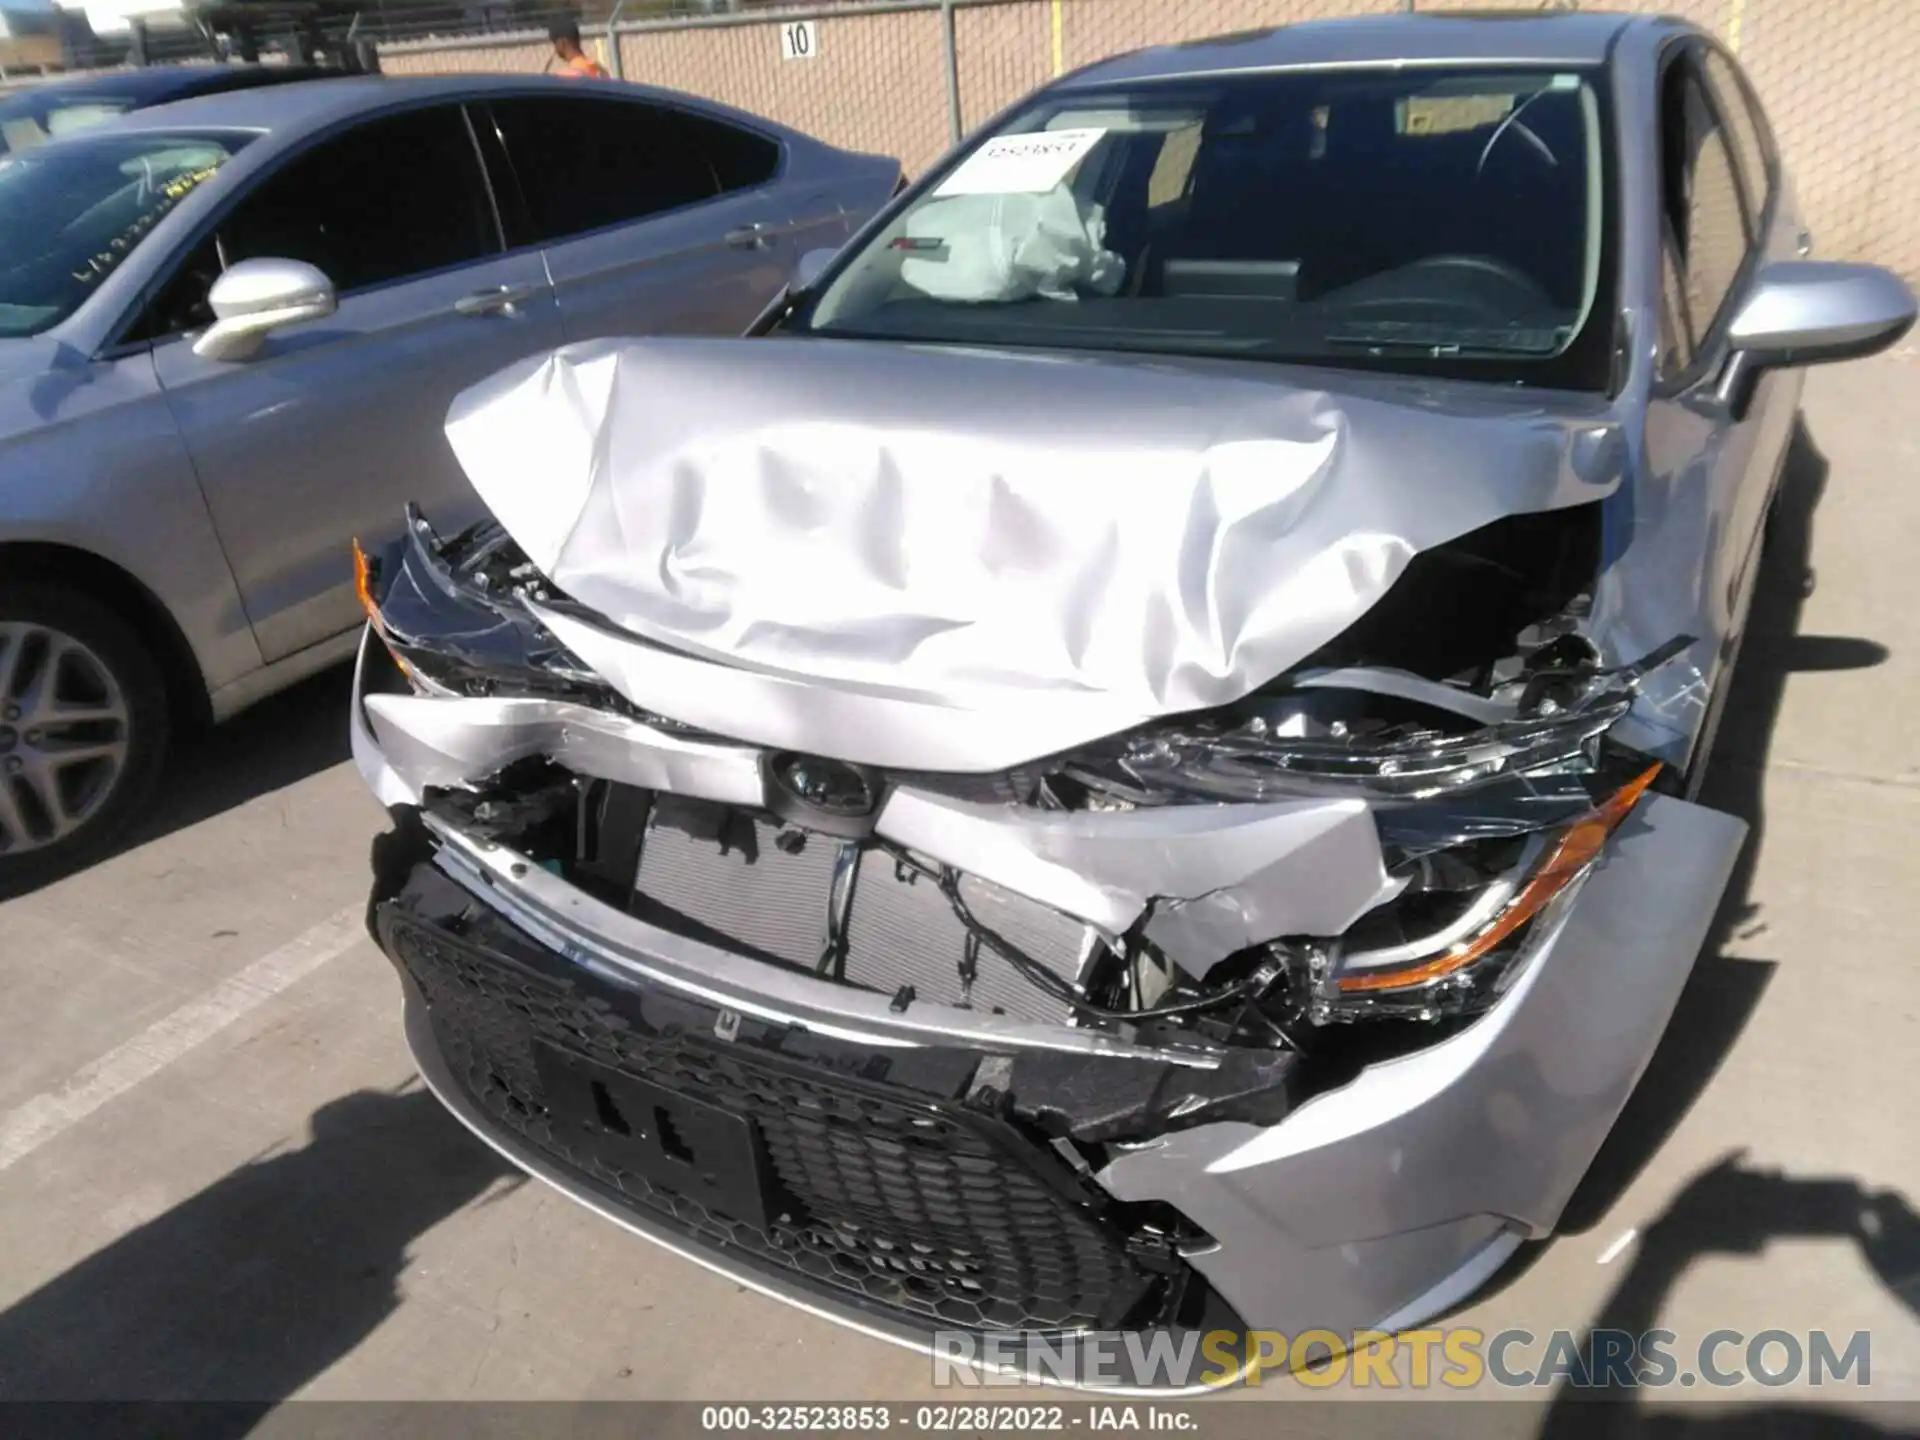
(460, 627)
(1479, 887)
(1491, 807)
(1452, 942)
(1382, 734)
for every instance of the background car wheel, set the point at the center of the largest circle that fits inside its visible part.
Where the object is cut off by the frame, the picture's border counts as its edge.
(83, 731)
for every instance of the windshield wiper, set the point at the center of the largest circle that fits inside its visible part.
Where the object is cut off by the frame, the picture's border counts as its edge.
(1445, 340)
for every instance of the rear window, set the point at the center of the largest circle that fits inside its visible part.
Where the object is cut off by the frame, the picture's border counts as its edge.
(1428, 219)
(71, 214)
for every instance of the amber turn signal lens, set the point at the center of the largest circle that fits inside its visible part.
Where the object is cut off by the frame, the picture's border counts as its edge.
(363, 583)
(363, 587)
(1578, 846)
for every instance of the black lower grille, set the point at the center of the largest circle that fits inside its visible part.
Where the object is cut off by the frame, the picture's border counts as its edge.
(881, 1184)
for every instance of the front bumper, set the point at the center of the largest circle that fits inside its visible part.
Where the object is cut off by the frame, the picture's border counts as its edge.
(1376, 1204)
(891, 1191)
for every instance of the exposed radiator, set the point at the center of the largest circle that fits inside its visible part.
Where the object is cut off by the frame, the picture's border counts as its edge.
(768, 887)
(738, 881)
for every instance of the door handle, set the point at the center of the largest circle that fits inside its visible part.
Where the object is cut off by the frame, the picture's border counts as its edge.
(501, 297)
(756, 236)
(1805, 244)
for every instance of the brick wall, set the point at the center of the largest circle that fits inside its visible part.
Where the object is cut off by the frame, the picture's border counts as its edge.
(1838, 78)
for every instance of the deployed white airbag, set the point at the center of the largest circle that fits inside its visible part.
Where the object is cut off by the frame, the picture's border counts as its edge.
(997, 248)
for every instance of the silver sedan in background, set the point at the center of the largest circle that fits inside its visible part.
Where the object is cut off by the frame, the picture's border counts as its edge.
(229, 331)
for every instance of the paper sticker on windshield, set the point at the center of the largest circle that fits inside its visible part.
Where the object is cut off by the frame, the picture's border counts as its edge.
(1020, 164)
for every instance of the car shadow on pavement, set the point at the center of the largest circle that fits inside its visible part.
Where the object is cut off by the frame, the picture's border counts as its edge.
(282, 740)
(249, 1289)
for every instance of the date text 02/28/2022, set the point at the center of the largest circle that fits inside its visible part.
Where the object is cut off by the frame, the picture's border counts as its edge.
(944, 1419)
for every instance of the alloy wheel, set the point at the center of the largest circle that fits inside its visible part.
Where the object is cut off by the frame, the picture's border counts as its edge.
(64, 735)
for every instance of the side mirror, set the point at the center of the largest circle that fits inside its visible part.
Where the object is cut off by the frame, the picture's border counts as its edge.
(810, 267)
(257, 297)
(1810, 312)
(807, 269)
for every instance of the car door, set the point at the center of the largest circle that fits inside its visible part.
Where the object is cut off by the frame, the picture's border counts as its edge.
(653, 219)
(336, 423)
(1720, 218)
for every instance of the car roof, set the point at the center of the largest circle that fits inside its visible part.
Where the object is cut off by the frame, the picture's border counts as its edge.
(319, 102)
(1499, 36)
(163, 83)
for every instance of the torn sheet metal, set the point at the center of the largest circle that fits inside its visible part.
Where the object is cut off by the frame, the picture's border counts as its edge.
(1235, 875)
(998, 530)
(1659, 585)
(453, 742)
(1243, 873)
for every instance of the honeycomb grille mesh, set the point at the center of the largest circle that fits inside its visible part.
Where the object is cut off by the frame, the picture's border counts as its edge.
(898, 1203)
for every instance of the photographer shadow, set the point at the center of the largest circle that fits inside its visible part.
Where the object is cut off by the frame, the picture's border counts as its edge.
(1734, 1209)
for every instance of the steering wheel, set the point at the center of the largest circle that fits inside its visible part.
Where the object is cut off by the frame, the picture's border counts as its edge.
(1446, 289)
(1504, 272)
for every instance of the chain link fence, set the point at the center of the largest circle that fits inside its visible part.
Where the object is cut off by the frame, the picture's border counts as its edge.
(905, 77)
(890, 75)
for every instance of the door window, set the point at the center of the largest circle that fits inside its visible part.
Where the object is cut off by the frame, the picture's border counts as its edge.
(1707, 223)
(394, 198)
(740, 158)
(585, 164)
(1744, 131)
(1676, 334)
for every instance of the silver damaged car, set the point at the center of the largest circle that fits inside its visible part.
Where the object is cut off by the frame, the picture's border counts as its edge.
(1125, 764)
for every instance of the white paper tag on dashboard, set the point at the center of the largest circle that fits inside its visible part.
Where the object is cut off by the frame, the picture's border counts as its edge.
(1020, 164)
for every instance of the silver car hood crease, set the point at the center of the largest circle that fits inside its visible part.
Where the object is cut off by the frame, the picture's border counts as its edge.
(1078, 542)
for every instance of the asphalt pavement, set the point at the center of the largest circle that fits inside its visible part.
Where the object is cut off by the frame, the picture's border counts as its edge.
(219, 1177)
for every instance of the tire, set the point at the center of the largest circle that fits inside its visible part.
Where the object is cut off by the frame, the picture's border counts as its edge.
(106, 675)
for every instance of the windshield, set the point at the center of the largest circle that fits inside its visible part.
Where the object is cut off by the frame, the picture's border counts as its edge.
(1435, 219)
(31, 119)
(71, 214)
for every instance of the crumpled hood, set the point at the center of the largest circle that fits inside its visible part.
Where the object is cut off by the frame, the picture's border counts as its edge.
(977, 528)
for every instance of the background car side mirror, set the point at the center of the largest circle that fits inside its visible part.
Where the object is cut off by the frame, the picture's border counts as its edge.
(1809, 312)
(810, 267)
(807, 269)
(256, 297)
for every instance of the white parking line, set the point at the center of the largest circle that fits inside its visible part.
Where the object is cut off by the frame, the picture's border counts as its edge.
(1618, 1247)
(33, 1123)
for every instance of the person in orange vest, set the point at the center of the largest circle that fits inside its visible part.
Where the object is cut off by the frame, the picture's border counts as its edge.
(574, 62)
